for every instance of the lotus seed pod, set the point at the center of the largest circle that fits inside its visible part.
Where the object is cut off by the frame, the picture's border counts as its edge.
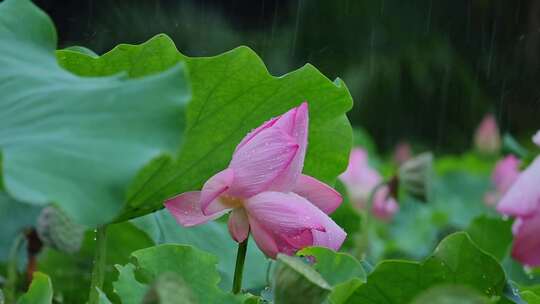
(415, 176)
(295, 281)
(169, 288)
(57, 231)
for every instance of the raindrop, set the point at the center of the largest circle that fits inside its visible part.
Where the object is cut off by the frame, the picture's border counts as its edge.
(491, 46)
(297, 23)
(468, 27)
(371, 50)
(428, 23)
(528, 271)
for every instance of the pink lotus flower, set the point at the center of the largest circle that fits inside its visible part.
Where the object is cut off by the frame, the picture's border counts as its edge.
(266, 193)
(536, 138)
(522, 201)
(402, 152)
(360, 179)
(504, 175)
(487, 139)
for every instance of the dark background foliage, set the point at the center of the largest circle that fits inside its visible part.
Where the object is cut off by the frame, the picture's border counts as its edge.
(421, 70)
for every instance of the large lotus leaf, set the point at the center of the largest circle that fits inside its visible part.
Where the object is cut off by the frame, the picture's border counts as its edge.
(15, 217)
(415, 227)
(196, 268)
(70, 273)
(456, 260)
(335, 267)
(103, 297)
(449, 294)
(530, 297)
(523, 276)
(40, 291)
(213, 238)
(457, 200)
(296, 282)
(341, 293)
(167, 289)
(493, 235)
(71, 140)
(341, 270)
(232, 94)
(460, 195)
(127, 287)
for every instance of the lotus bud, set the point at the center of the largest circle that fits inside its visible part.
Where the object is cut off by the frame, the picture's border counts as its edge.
(487, 139)
(56, 230)
(415, 176)
(266, 193)
(402, 152)
(536, 138)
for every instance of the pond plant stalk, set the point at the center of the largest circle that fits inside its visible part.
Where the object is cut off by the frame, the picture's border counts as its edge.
(98, 271)
(364, 238)
(239, 268)
(11, 280)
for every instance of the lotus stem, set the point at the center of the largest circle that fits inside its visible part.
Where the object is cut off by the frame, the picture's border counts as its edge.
(12, 272)
(239, 268)
(98, 271)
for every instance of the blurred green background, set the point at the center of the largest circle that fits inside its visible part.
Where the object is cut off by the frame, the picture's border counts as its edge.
(424, 71)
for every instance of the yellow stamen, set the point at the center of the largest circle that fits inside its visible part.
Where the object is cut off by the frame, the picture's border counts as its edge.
(231, 201)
